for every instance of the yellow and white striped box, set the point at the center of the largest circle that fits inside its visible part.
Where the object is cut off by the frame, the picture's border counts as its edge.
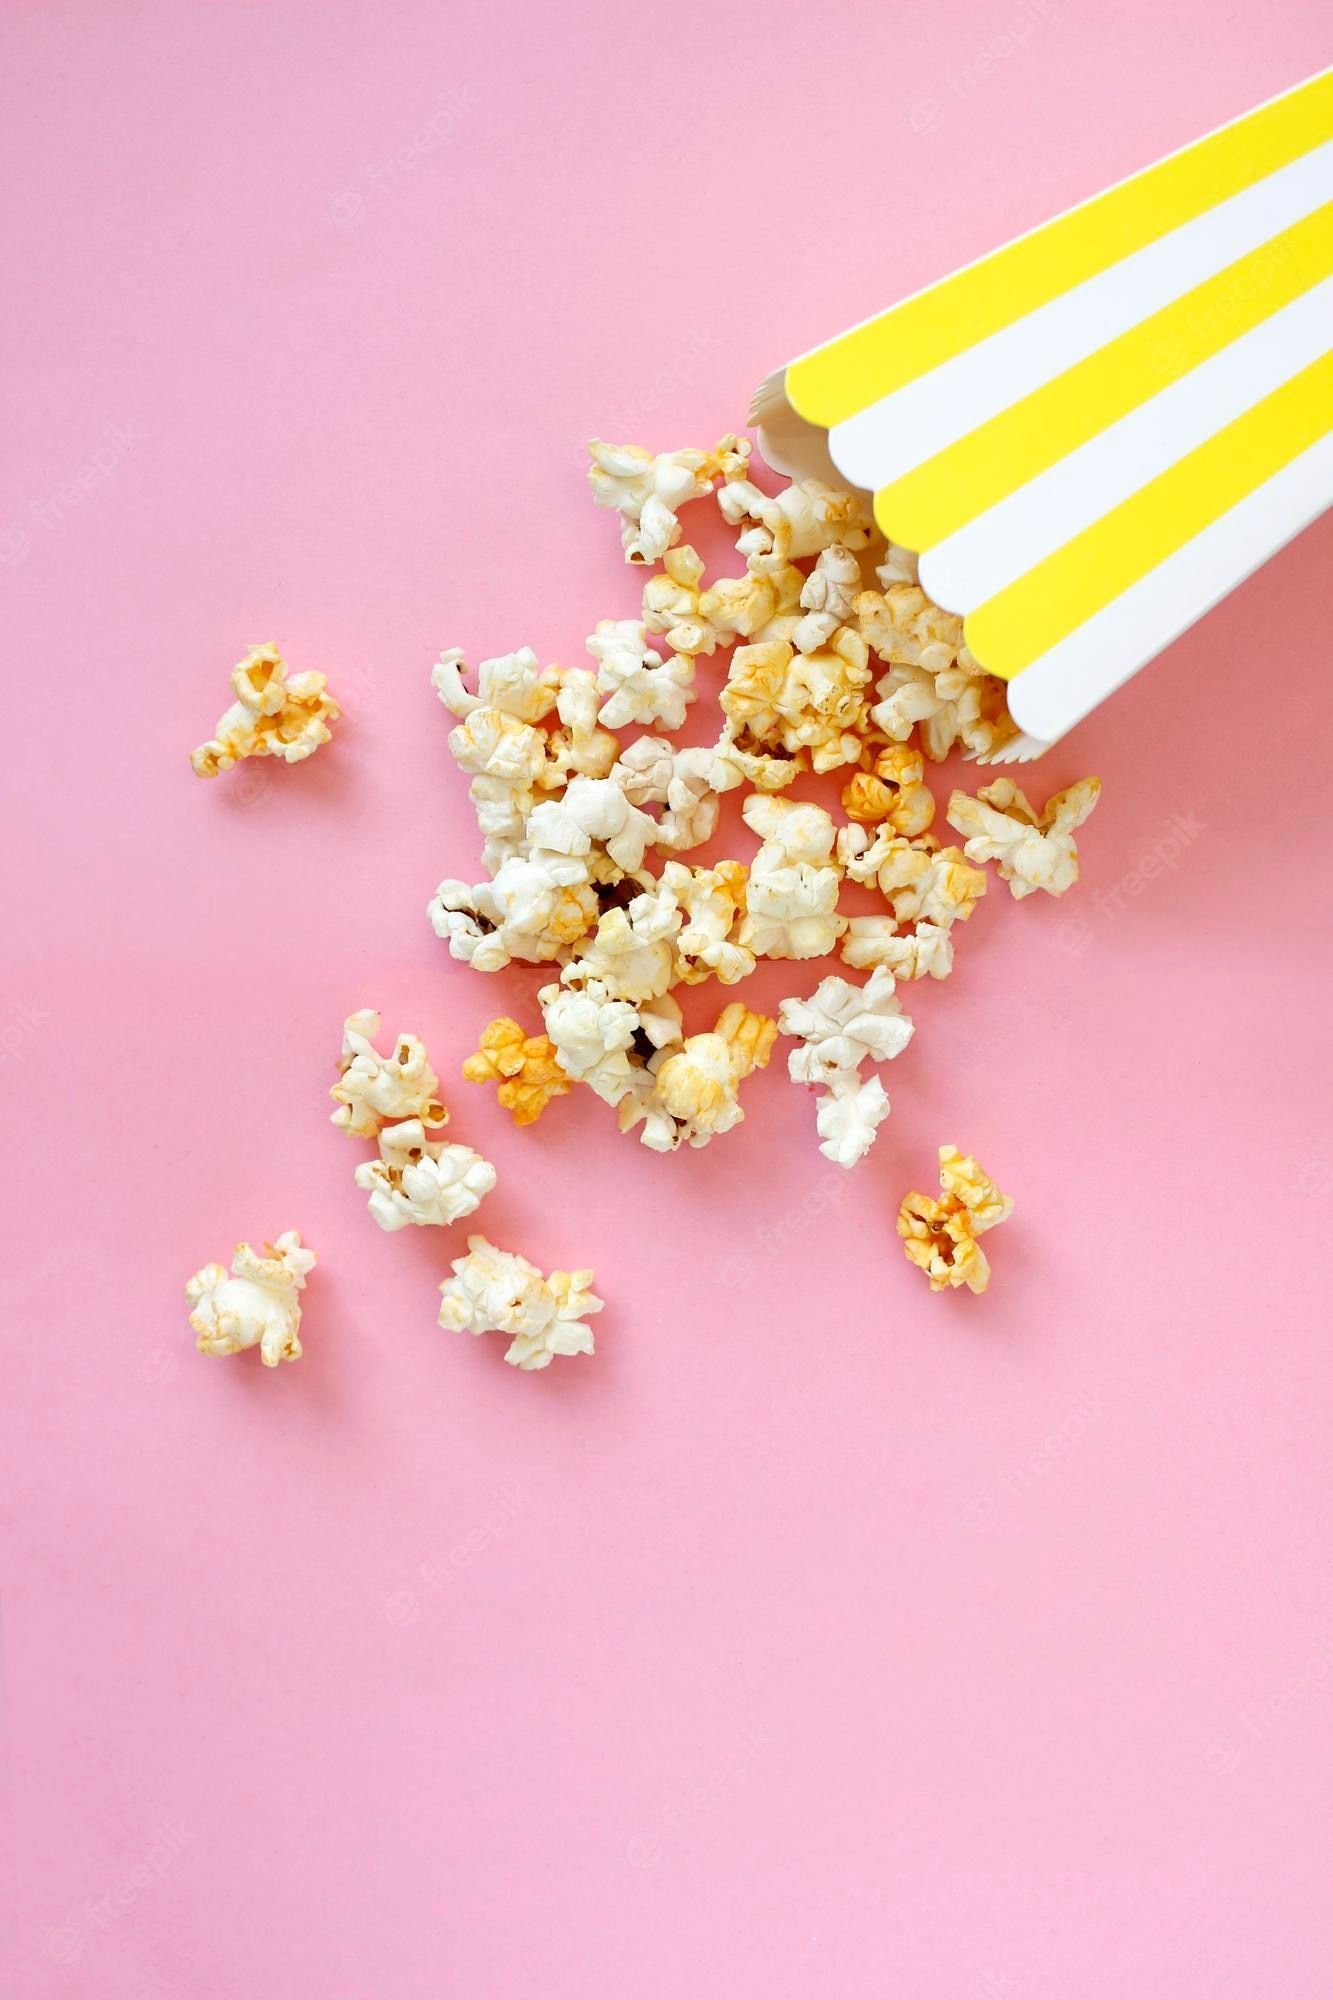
(1093, 434)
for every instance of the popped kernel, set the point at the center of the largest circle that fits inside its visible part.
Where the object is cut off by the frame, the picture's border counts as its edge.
(523, 1066)
(374, 1090)
(256, 1304)
(893, 792)
(1033, 850)
(274, 715)
(940, 1235)
(497, 1291)
(690, 1094)
(421, 1180)
(647, 492)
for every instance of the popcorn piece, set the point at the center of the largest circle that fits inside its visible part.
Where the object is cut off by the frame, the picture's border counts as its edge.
(592, 810)
(924, 952)
(803, 519)
(672, 604)
(745, 606)
(374, 1090)
(498, 1291)
(513, 683)
(932, 681)
(694, 1089)
(638, 685)
(841, 1027)
(921, 880)
(827, 596)
(258, 1305)
(712, 901)
(792, 894)
(811, 701)
(524, 1066)
(538, 907)
(648, 491)
(632, 954)
(1034, 850)
(892, 791)
(272, 715)
(744, 761)
(939, 1236)
(578, 748)
(604, 1041)
(416, 1179)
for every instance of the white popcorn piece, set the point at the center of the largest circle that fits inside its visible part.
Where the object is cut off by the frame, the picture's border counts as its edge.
(925, 952)
(792, 894)
(753, 604)
(671, 604)
(804, 518)
(257, 1304)
(374, 1090)
(648, 492)
(919, 879)
(514, 683)
(274, 715)
(418, 1180)
(578, 748)
(631, 955)
(712, 903)
(827, 596)
(592, 810)
(899, 566)
(536, 910)
(497, 1291)
(840, 1028)
(1034, 850)
(601, 1040)
(638, 685)
(690, 1093)
(933, 682)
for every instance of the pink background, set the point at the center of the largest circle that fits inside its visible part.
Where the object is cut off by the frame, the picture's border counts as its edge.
(833, 1638)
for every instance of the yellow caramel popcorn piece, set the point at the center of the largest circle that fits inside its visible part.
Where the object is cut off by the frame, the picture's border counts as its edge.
(939, 1235)
(524, 1067)
(272, 715)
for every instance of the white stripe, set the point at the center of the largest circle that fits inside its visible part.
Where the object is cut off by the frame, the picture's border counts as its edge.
(1019, 531)
(1061, 687)
(895, 434)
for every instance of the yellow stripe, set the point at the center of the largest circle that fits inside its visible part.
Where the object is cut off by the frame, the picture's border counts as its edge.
(896, 347)
(966, 478)
(1051, 600)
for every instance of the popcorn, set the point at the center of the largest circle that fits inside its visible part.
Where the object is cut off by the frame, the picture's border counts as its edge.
(513, 683)
(933, 682)
(920, 879)
(1034, 850)
(638, 685)
(940, 1236)
(891, 791)
(258, 1305)
(374, 1090)
(745, 762)
(578, 747)
(600, 1039)
(524, 1066)
(693, 1095)
(272, 715)
(746, 606)
(631, 956)
(841, 1027)
(926, 951)
(647, 492)
(419, 1180)
(712, 903)
(592, 810)
(536, 910)
(498, 1291)
(827, 596)
(792, 894)
(810, 701)
(671, 604)
(803, 519)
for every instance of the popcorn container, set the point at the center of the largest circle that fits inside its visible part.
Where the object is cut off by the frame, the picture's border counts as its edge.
(1091, 435)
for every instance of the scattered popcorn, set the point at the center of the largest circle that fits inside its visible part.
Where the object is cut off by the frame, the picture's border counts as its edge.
(812, 702)
(690, 1093)
(632, 954)
(257, 1305)
(637, 684)
(891, 792)
(374, 1090)
(671, 604)
(924, 952)
(416, 1179)
(524, 1067)
(712, 903)
(1033, 850)
(647, 492)
(939, 1236)
(498, 1291)
(841, 1027)
(933, 683)
(918, 878)
(272, 715)
(792, 896)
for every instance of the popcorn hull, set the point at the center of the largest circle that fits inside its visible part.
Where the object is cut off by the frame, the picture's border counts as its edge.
(1092, 435)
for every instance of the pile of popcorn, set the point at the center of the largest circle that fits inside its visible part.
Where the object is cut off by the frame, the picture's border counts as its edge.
(837, 662)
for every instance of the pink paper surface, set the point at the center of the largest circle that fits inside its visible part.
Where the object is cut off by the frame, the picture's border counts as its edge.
(819, 1636)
